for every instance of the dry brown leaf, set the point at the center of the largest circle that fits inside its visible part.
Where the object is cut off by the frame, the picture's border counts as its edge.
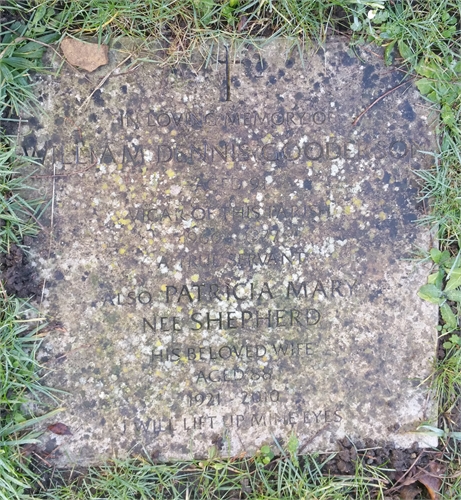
(409, 492)
(59, 428)
(432, 479)
(88, 56)
(432, 485)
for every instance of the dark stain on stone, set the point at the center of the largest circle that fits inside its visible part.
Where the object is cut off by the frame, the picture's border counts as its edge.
(316, 86)
(59, 120)
(217, 441)
(281, 73)
(281, 162)
(299, 96)
(279, 97)
(290, 63)
(409, 218)
(402, 200)
(367, 188)
(58, 275)
(97, 98)
(307, 184)
(77, 136)
(367, 139)
(261, 65)
(124, 89)
(33, 122)
(247, 65)
(29, 142)
(235, 82)
(134, 101)
(407, 111)
(386, 178)
(93, 118)
(392, 225)
(369, 78)
(347, 60)
(50, 446)
(272, 80)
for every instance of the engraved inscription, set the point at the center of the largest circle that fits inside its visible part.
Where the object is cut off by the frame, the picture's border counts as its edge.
(236, 270)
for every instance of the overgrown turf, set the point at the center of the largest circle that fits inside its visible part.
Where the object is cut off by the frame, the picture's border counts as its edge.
(19, 341)
(422, 37)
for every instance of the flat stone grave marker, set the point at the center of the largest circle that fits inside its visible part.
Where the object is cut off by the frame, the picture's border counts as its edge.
(227, 253)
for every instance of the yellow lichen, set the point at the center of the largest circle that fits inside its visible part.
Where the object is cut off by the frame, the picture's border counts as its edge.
(267, 139)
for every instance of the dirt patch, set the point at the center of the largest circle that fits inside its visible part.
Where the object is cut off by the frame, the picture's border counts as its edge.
(376, 455)
(18, 276)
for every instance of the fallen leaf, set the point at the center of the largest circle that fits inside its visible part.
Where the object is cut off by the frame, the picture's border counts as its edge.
(60, 429)
(431, 479)
(409, 492)
(88, 56)
(432, 485)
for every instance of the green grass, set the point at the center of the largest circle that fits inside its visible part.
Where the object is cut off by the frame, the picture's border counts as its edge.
(284, 478)
(422, 37)
(18, 217)
(442, 190)
(19, 341)
(19, 56)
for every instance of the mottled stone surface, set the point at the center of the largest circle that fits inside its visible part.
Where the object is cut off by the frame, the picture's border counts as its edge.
(229, 257)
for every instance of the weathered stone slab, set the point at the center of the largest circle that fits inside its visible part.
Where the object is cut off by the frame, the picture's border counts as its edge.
(229, 254)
